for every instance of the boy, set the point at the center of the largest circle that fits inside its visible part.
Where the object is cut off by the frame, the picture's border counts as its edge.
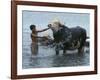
(34, 37)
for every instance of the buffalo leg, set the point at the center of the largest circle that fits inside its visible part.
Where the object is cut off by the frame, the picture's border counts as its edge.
(81, 50)
(64, 51)
(57, 50)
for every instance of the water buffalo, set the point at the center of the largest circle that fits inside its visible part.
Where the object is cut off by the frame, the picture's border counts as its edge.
(68, 38)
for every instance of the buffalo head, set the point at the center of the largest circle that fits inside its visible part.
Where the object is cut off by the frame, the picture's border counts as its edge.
(55, 25)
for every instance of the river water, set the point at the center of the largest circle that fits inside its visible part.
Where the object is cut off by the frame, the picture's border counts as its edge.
(47, 58)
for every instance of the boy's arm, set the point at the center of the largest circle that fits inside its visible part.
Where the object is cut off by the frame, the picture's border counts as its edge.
(33, 35)
(42, 30)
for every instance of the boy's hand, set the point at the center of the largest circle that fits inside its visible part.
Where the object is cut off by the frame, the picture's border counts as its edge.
(49, 25)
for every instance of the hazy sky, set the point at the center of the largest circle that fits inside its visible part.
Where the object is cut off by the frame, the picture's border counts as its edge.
(42, 19)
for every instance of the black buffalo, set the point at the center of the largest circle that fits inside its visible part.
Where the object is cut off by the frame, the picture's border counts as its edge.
(68, 38)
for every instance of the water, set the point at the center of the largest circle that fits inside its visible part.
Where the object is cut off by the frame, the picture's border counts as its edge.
(47, 58)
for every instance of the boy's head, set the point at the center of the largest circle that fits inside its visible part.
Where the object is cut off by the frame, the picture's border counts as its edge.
(32, 27)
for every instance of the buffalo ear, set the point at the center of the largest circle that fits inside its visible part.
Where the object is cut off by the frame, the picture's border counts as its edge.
(61, 25)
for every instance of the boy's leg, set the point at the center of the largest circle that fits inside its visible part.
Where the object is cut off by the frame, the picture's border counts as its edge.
(34, 48)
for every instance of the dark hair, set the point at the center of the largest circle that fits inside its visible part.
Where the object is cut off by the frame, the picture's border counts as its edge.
(32, 26)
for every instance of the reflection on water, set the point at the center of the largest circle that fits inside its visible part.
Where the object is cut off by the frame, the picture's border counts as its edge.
(47, 58)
